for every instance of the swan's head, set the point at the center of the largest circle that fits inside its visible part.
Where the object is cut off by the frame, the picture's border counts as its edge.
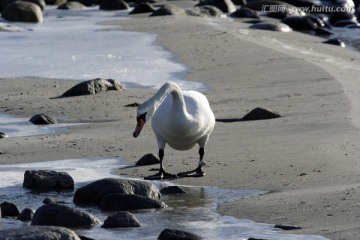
(140, 122)
(144, 113)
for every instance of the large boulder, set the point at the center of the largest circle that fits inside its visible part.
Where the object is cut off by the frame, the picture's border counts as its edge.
(175, 234)
(47, 180)
(94, 192)
(129, 202)
(21, 11)
(42, 119)
(121, 220)
(9, 209)
(39, 233)
(63, 216)
(93, 86)
(227, 6)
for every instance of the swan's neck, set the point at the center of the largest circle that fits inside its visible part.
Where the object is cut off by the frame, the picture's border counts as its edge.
(178, 99)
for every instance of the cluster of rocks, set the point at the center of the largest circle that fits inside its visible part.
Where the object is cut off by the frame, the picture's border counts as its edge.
(307, 16)
(54, 219)
(320, 18)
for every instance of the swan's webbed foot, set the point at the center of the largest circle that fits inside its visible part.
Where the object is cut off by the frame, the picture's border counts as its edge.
(162, 174)
(198, 172)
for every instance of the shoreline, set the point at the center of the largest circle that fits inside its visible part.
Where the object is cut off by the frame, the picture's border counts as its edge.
(307, 158)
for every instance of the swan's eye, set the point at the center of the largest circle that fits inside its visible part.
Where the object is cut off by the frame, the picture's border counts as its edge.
(142, 117)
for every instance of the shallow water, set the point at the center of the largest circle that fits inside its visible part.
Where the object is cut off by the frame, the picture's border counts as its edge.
(194, 211)
(71, 45)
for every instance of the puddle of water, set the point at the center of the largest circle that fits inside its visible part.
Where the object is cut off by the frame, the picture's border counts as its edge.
(21, 127)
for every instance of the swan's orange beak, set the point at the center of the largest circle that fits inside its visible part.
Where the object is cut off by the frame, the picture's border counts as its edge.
(138, 128)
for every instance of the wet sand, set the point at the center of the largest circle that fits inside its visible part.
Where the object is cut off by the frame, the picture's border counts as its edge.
(307, 159)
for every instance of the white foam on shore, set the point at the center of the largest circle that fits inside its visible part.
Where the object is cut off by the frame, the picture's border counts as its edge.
(71, 45)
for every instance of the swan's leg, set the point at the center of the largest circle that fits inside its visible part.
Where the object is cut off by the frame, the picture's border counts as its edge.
(198, 172)
(162, 174)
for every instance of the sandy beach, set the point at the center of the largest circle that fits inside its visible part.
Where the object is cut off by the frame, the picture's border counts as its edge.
(308, 159)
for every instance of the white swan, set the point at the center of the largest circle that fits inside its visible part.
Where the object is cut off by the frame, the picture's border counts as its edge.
(181, 119)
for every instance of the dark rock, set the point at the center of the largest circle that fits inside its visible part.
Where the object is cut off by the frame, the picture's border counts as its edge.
(3, 135)
(335, 41)
(26, 214)
(226, 6)
(169, 10)
(323, 31)
(128, 202)
(239, 2)
(341, 16)
(271, 26)
(172, 190)
(94, 192)
(143, 8)
(63, 216)
(21, 11)
(9, 209)
(40, 3)
(121, 220)
(300, 23)
(244, 12)
(173, 234)
(260, 114)
(47, 180)
(287, 227)
(39, 233)
(203, 11)
(113, 5)
(93, 86)
(55, 2)
(148, 159)
(71, 6)
(5, 3)
(42, 119)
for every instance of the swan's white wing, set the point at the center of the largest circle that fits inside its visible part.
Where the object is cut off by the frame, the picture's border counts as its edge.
(182, 131)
